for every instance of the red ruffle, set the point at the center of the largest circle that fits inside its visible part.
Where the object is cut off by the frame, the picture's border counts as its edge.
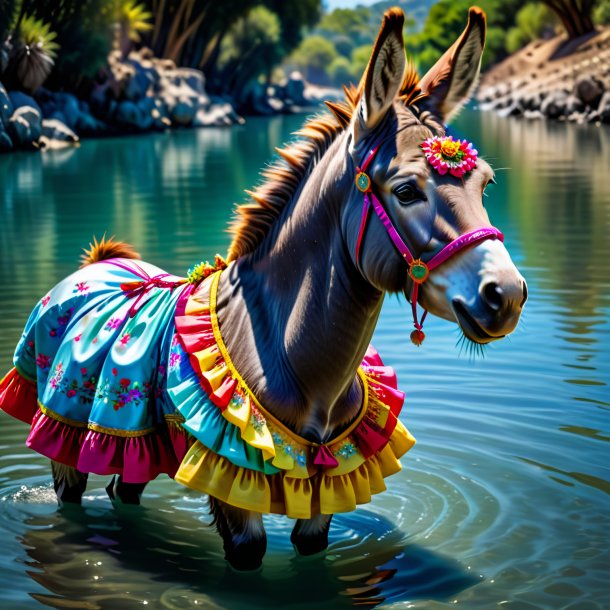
(18, 396)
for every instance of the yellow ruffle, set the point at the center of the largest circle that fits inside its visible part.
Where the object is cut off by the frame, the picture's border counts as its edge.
(281, 493)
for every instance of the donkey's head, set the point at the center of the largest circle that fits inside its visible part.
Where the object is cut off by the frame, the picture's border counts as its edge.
(478, 286)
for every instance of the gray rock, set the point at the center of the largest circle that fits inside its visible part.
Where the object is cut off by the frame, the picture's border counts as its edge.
(19, 131)
(88, 125)
(6, 144)
(603, 109)
(294, 90)
(533, 115)
(589, 90)
(574, 105)
(554, 105)
(69, 106)
(22, 99)
(181, 110)
(25, 127)
(127, 114)
(6, 106)
(146, 107)
(216, 116)
(52, 129)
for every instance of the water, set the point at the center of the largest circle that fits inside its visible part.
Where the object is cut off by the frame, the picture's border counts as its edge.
(504, 502)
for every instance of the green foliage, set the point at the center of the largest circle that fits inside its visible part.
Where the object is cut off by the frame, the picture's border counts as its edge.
(132, 17)
(601, 13)
(313, 57)
(34, 33)
(532, 21)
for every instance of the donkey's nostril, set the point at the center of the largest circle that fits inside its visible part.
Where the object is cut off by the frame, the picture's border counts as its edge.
(524, 294)
(492, 294)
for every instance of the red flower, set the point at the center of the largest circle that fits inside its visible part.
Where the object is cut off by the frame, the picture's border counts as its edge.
(53, 332)
(84, 370)
(45, 300)
(124, 382)
(71, 393)
(125, 339)
(43, 361)
(77, 338)
(115, 372)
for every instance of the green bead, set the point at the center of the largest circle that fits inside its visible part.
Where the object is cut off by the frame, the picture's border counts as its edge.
(363, 181)
(419, 271)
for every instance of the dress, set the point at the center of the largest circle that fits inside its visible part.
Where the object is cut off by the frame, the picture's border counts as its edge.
(122, 369)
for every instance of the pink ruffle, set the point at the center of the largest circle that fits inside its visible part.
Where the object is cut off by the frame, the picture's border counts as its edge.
(18, 396)
(137, 459)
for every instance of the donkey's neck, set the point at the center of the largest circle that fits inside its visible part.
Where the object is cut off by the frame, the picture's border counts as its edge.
(296, 314)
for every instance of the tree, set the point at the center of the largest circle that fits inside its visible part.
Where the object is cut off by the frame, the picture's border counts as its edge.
(576, 16)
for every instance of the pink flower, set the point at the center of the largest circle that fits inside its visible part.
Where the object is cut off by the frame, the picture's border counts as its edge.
(113, 323)
(82, 287)
(445, 154)
(43, 361)
(77, 338)
(125, 339)
(45, 300)
(174, 360)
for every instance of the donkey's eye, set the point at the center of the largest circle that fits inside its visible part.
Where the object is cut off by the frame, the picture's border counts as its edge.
(408, 193)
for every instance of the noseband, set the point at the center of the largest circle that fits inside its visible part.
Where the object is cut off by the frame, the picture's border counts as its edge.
(417, 268)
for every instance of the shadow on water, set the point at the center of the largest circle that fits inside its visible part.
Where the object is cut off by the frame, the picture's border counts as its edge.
(97, 558)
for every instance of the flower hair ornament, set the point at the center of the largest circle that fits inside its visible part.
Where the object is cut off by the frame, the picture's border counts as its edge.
(446, 155)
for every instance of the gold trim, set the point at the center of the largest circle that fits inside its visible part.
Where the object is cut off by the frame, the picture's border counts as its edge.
(60, 418)
(121, 433)
(276, 422)
(93, 426)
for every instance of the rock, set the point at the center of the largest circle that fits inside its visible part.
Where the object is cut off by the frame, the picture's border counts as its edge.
(19, 131)
(146, 107)
(589, 90)
(574, 105)
(216, 116)
(88, 125)
(193, 78)
(603, 109)
(515, 109)
(52, 129)
(6, 144)
(22, 99)
(533, 115)
(68, 104)
(531, 102)
(6, 105)
(25, 127)
(137, 84)
(127, 115)
(181, 110)
(554, 105)
(294, 89)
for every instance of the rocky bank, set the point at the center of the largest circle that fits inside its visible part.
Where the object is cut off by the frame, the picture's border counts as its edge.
(134, 94)
(553, 79)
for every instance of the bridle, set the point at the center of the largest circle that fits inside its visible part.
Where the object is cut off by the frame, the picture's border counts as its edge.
(418, 269)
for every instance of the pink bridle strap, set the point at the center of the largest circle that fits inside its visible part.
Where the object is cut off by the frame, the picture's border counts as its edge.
(418, 269)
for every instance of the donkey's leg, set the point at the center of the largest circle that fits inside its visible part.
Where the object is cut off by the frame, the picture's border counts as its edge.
(127, 493)
(310, 536)
(243, 534)
(69, 483)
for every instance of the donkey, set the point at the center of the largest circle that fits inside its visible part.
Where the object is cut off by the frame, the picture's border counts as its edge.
(352, 211)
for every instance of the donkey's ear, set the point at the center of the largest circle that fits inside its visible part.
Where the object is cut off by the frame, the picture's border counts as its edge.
(450, 82)
(384, 73)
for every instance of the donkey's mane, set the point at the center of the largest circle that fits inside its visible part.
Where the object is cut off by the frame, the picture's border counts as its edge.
(283, 178)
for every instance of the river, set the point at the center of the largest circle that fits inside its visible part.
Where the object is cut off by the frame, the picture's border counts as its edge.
(505, 500)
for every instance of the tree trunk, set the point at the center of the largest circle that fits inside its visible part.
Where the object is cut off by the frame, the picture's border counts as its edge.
(575, 16)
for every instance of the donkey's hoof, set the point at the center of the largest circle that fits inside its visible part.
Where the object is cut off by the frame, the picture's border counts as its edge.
(245, 564)
(310, 545)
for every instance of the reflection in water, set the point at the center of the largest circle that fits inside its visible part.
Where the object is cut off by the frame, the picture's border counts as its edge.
(509, 479)
(73, 553)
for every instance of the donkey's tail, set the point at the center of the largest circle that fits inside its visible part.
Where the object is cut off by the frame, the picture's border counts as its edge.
(106, 248)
